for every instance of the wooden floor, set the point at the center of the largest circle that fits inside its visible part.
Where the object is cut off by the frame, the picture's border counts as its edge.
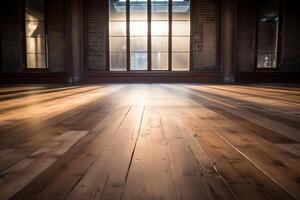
(150, 141)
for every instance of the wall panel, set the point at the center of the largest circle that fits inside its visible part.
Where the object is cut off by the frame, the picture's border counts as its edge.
(11, 40)
(246, 30)
(291, 41)
(55, 16)
(96, 35)
(204, 35)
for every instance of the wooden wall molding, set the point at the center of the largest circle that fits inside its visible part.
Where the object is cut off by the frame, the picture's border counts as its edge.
(33, 78)
(267, 77)
(152, 77)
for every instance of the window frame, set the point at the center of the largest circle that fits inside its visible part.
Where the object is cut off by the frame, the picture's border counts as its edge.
(149, 39)
(279, 38)
(24, 37)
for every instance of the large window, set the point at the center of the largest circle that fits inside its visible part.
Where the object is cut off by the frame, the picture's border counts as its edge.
(149, 35)
(117, 35)
(267, 36)
(160, 35)
(35, 34)
(138, 34)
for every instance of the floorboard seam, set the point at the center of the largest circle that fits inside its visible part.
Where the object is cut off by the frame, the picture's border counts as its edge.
(235, 148)
(133, 151)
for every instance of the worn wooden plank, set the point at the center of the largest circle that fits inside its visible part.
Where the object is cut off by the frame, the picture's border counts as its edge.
(190, 142)
(191, 178)
(275, 165)
(151, 173)
(62, 177)
(107, 177)
(275, 126)
(226, 159)
(16, 177)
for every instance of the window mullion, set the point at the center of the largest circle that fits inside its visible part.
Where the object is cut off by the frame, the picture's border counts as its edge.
(170, 35)
(128, 34)
(149, 6)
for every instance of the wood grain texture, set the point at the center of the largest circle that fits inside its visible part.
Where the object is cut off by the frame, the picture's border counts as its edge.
(150, 141)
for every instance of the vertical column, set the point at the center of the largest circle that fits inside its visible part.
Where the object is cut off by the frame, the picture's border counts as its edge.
(204, 35)
(1, 64)
(128, 34)
(228, 27)
(149, 9)
(73, 25)
(170, 35)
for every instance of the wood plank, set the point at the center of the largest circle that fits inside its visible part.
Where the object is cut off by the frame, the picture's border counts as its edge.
(62, 177)
(278, 172)
(225, 159)
(16, 177)
(150, 141)
(275, 126)
(15, 152)
(191, 175)
(107, 176)
(150, 175)
(41, 117)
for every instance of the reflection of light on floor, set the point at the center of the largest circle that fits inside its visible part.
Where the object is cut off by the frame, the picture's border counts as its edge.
(41, 106)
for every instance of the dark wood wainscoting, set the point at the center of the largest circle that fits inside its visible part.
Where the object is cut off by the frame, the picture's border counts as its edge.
(152, 77)
(33, 77)
(149, 77)
(268, 77)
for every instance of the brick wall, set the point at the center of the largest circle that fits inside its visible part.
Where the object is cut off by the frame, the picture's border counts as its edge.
(55, 13)
(246, 33)
(291, 40)
(11, 42)
(204, 36)
(11, 38)
(96, 35)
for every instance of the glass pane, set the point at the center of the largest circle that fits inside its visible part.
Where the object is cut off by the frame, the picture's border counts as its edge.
(160, 10)
(34, 10)
(35, 45)
(267, 60)
(181, 10)
(138, 61)
(138, 44)
(35, 34)
(267, 29)
(160, 28)
(267, 44)
(117, 28)
(138, 28)
(160, 61)
(117, 3)
(160, 43)
(36, 61)
(138, 10)
(159, 33)
(117, 13)
(118, 32)
(181, 28)
(181, 61)
(35, 29)
(180, 43)
(117, 61)
(117, 44)
(268, 34)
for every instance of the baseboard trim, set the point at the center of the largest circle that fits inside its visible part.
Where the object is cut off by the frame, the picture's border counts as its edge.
(267, 77)
(152, 77)
(34, 78)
